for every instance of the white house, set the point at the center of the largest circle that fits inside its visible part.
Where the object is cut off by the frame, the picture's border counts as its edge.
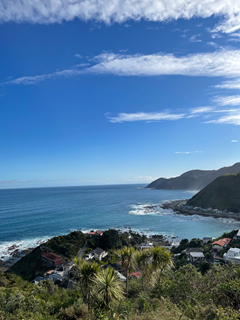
(233, 255)
(64, 270)
(206, 239)
(121, 277)
(145, 245)
(196, 257)
(237, 236)
(96, 253)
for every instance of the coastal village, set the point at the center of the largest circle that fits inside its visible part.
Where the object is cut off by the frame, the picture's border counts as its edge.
(198, 252)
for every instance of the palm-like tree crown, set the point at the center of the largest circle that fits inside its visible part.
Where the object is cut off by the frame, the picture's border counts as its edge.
(108, 286)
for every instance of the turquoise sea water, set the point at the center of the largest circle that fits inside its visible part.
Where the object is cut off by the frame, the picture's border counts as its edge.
(29, 215)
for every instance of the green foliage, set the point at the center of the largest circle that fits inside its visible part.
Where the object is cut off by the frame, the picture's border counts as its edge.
(108, 286)
(29, 266)
(67, 245)
(202, 292)
(111, 239)
(184, 244)
(223, 194)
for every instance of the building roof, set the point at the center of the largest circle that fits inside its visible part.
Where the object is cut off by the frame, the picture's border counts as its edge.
(121, 277)
(98, 251)
(49, 272)
(59, 262)
(51, 256)
(116, 265)
(235, 250)
(222, 242)
(188, 250)
(99, 232)
(197, 254)
(91, 233)
(136, 274)
(38, 279)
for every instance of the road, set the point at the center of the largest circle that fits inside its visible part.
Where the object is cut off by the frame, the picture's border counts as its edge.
(81, 251)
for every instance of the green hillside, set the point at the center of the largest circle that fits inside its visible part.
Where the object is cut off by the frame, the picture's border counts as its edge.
(31, 265)
(222, 194)
(194, 179)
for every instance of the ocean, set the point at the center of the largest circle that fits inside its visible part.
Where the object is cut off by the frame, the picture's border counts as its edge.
(31, 215)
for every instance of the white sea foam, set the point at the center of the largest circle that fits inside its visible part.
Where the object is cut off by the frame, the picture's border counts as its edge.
(148, 210)
(6, 248)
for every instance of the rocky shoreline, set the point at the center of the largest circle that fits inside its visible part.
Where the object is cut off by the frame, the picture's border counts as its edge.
(14, 252)
(176, 206)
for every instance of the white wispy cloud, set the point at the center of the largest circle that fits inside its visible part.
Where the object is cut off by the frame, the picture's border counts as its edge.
(187, 152)
(234, 141)
(77, 55)
(232, 117)
(224, 63)
(228, 100)
(52, 11)
(202, 110)
(221, 63)
(230, 84)
(28, 80)
(144, 116)
(194, 38)
(182, 152)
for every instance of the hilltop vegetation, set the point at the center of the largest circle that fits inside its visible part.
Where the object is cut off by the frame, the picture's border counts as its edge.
(222, 194)
(193, 180)
(31, 265)
(164, 291)
(111, 239)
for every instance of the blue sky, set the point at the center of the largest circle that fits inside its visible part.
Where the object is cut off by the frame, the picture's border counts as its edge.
(117, 91)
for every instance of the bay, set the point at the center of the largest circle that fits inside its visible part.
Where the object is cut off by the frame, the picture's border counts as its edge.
(30, 215)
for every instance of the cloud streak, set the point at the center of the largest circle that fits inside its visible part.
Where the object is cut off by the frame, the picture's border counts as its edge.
(223, 63)
(228, 100)
(144, 116)
(110, 11)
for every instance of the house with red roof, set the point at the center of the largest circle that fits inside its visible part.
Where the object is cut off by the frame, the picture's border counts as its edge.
(220, 244)
(51, 259)
(95, 233)
(136, 274)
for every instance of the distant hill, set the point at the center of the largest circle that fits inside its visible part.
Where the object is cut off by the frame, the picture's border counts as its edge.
(193, 180)
(223, 193)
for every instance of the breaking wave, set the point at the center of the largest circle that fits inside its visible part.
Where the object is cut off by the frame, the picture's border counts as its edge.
(148, 210)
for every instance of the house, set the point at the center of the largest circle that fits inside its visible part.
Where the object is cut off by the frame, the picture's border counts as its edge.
(190, 250)
(117, 266)
(66, 284)
(217, 259)
(95, 233)
(37, 280)
(54, 277)
(233, 255)
(64, 270)
(51, 259)
(136, 274)
(206, 239)
(196, 257)
(121, 277)
(145, 245)
(237, 236)
(91, 233)
(46, 274)
(96, 253)
(220, 244)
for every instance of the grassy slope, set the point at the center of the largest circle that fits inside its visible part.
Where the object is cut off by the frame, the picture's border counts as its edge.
(223, 193)
(31, 265)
